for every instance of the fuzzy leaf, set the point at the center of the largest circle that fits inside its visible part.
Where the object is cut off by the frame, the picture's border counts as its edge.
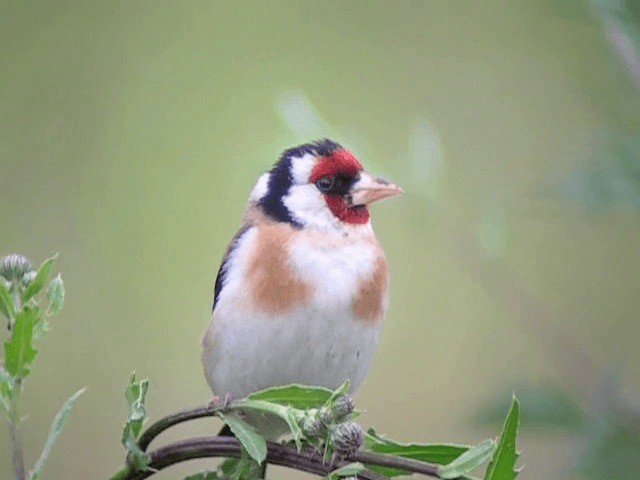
(242, 468)
(135, 393)
(297, 396)
(502, 466)
(56, 428)
(6, 388)
(41, 328)
(350, 470)
(253, 443)
(55, 294)
(286, 413)
(41, 278)
(6, 304)
(135, 456)
(18, 350)
(441, 454)
(341, 391)
(469, 460)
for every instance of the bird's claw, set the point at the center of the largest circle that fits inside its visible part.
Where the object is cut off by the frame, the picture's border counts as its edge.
(221, 403)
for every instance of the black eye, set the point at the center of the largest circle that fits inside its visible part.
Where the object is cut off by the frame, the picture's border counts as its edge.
(341, 182)
(324, 184)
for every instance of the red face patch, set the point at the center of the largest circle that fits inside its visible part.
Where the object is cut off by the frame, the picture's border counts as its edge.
(340, 162)
(341, 210)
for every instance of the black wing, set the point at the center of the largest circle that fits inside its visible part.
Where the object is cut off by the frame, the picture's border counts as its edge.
(222, 273)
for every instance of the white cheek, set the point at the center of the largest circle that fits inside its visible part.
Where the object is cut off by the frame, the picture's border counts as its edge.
(301, 168)
(260, 189)
(307, 205)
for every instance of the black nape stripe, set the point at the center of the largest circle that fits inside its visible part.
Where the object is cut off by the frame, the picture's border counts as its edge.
(280, 179)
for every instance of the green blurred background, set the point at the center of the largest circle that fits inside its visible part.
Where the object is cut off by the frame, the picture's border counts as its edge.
(132, 132)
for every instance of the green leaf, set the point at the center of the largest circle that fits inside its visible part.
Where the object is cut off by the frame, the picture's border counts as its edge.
(341, 391)
(41, 278)
(253, 443)
(204, 475)
(6, 388)
(6, 304)
(502, 466)
(242, 468)
(441, 454)
(297, 396)
(135, 456)
(18, 350)
(41, 328)
(351, 470)
(469, 460)
(56, 428)
(135, 393)
(286, 413)
(55, 294)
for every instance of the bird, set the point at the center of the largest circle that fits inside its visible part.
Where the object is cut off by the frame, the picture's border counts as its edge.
(302, 290)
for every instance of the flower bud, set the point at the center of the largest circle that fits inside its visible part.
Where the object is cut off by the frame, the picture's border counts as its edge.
(312, 427)
(14, 267)
(326, 416)
(343, 407)
(347, 438)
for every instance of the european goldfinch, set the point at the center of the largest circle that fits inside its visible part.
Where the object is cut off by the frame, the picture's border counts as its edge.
(302, 289)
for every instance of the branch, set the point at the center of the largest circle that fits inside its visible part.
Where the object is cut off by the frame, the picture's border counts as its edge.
(307, 460)
(174, 419)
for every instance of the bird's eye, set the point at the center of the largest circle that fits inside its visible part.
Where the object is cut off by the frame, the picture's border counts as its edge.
(324, 184)
(341, 182)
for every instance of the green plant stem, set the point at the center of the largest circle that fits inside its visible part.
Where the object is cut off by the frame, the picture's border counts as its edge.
(14, 432)
(17, 301)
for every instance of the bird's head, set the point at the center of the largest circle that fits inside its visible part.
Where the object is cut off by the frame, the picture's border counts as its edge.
(319, 185)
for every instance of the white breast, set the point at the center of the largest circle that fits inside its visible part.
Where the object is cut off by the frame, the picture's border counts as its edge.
(335, 268)
(318, 343)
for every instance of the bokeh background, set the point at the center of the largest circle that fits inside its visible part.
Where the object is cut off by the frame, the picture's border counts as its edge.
(132, 132)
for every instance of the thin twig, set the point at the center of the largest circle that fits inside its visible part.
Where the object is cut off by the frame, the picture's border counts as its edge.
(170, 420)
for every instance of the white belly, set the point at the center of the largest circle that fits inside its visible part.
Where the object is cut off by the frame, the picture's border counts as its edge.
(251, 352)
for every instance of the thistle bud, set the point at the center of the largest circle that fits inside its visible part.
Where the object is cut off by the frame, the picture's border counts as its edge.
(326, 416)
(14, 267)
(312, 427)
(347, 439)
(343, 407)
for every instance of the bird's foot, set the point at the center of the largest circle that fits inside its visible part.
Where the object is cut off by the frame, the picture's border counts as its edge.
(220, 403)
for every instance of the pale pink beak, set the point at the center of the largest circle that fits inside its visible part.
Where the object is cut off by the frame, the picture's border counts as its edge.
(368, 189)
